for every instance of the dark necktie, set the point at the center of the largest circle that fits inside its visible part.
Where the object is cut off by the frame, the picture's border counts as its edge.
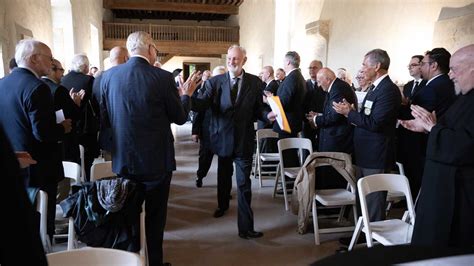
(415, 88)
(235, 90)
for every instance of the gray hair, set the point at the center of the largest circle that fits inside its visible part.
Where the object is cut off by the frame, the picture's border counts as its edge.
(242, 49)
(379, 56)
(25, 49)
(294, 58)
(80, 63)
(270, 70)
(218, 70)
(138, 41)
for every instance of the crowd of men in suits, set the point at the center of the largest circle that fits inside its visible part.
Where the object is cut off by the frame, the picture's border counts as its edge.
(133, 104)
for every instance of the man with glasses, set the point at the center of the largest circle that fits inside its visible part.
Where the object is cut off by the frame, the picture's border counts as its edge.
(29, 120)
(409, 151)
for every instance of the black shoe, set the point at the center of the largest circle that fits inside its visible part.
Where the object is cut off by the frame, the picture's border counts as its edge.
(166, 264)
(219, 212)
(198, 181)
(346, 241)
(250, 234)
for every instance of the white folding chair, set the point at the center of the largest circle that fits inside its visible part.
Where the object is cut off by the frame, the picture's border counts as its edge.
(101, 170)
(271, 158)
(83, 164)
(386, 232)
(42, 208)
(72, 171)
(104, 169)
(334, 198)
(290, 172)
(94, 257)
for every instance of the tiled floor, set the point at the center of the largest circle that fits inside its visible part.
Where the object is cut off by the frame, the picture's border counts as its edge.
(194, 237)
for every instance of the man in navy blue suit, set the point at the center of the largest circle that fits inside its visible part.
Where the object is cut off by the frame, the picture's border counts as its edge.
(139, 102)
(235, 101)
(374, 131)
(29, 120)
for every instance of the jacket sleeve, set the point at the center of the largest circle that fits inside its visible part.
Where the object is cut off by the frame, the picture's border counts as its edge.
(332, 117)
(42, 116)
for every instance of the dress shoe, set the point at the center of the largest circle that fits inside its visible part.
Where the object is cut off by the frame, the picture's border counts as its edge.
(219, 212)
(346, 241)
(198, 181)
(250, 234)
(166, 264)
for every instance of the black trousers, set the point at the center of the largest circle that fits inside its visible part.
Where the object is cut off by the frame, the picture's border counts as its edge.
(156, 208)
(243, 167)
(376, 201)
(205, 160)
(91, 151)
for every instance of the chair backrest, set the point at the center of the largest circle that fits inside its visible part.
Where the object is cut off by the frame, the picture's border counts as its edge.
(384, 182)
(294, 143)
(42, 208)
(72, 171)
(101, 170)
(94, 257)
(266, 133)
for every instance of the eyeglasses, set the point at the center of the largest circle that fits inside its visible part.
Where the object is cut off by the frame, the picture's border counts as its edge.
(58, 68)
(413, 65)
(426, 62)
(154, 47)
(313, 67)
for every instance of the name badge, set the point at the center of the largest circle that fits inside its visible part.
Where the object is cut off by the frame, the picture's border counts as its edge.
(367, 111)
(368, 104)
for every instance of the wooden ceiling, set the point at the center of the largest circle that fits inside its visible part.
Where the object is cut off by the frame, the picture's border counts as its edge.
(199, 10)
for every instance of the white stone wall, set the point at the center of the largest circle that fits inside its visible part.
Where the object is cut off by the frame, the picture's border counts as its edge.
(402, 27)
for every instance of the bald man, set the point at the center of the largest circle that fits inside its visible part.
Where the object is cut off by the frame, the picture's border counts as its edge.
(335, 132)
(445, 212)
(117, 56)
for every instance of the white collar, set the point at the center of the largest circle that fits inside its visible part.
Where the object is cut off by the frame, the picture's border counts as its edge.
(377, 81)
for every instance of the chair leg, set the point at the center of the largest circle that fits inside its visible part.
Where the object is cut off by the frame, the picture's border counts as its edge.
(341, 214)
(315, 223)
(356, 234)
(285, 195)
(71, 236)
(259, 169)
(277, 178)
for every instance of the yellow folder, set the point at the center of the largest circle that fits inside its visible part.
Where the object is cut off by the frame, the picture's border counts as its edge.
(277, 109)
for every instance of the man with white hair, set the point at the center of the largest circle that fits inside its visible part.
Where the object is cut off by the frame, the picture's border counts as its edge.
(28, 117)
(88, 124)
(235, 101)
(139, 102)
(445, 212)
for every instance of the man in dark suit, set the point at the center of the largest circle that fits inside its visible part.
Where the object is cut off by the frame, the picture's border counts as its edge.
(139, 102)
(291, 92)
(88, 125)
(280, 75)
(117, 56)
(21, 228)
(374, 131)
(68, 102)
(410, 149)
(336, 131)
(445, 213)
(29, 120)
(235, 101)
(314, 102)
(270, 87)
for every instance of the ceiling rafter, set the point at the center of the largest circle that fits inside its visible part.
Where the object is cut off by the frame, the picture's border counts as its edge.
(230, 8)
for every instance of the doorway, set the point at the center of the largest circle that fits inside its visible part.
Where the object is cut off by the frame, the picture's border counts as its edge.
(189, 67)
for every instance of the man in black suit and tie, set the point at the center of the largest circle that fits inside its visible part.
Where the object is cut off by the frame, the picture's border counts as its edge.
(335, 132)
(236, 102)
(139, 102)
(314, 102)
(88, 124)
(409, 144)
(374, 132)
(29, 120)
(270, 87)
(292, 92)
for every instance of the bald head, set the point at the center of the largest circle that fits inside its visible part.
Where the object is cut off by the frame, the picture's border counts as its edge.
(325, 77)
(462, 69)
(118, 55)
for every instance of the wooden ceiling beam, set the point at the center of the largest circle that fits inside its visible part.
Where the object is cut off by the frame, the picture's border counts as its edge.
(172, 7)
